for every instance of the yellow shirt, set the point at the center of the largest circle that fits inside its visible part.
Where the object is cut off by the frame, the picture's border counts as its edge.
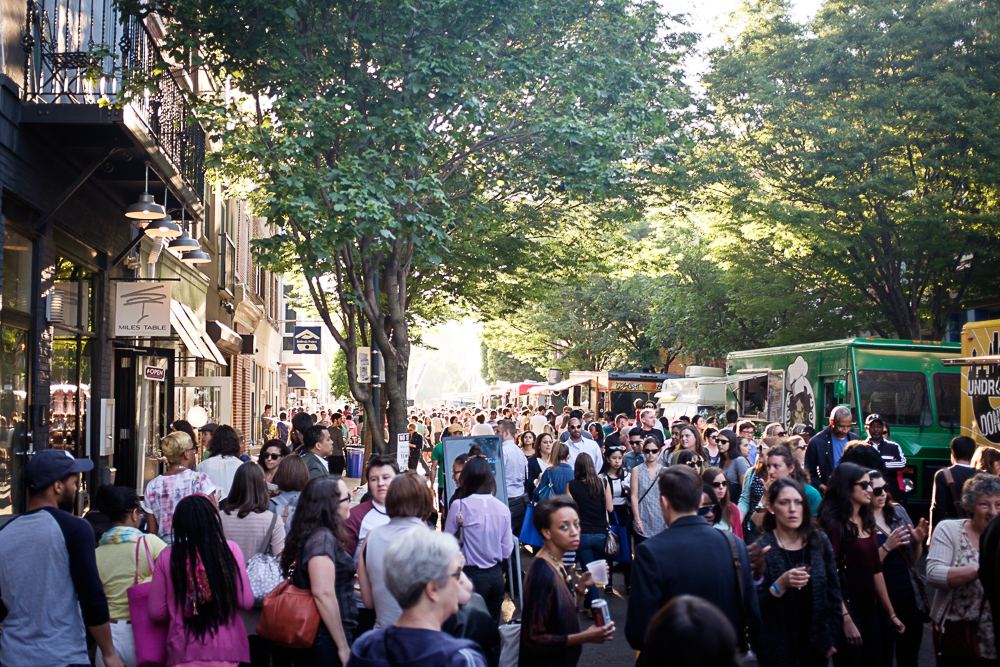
(116, 565)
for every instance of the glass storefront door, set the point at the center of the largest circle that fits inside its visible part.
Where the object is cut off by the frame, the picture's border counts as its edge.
(204, 400)
(143, 411)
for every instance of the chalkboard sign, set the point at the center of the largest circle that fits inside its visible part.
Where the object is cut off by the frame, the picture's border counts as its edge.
(492, 449)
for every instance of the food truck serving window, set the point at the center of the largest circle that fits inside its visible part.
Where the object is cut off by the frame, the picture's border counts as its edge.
(899, 396)
(947, 398)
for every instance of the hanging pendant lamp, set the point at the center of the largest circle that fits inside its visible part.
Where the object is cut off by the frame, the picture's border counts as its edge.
(163, 228)
(196, 257)
(146, 208)
(184, 242)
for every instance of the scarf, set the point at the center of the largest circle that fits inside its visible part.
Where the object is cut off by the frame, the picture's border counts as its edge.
(121, 535)
(198, 592)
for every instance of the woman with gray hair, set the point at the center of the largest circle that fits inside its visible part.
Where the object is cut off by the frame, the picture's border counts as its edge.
(962, 618)
(423, 571)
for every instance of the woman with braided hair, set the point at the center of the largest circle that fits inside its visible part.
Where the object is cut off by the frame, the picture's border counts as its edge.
(199, 586)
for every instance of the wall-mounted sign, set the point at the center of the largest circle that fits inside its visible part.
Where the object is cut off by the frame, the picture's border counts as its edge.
(364, 365)
(155, 373)
(306, 340)
(142, 309)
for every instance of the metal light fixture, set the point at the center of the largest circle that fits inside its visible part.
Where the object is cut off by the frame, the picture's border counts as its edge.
(196, 257)
(184, 242)
(163, 228)
(146, 208)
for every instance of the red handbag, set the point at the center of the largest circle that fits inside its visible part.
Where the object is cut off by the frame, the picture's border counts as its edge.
(289, 616)
(150, 637)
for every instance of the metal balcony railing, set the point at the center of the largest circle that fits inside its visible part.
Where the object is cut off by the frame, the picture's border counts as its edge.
(77, 51)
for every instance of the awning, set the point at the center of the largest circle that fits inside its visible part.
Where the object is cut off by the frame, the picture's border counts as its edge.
(559, 386)
(733, 379)
(295, 381)
(187, 326)
(225, 338)
(973, 361)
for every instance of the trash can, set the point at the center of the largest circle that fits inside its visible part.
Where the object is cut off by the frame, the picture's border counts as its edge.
(355, 462)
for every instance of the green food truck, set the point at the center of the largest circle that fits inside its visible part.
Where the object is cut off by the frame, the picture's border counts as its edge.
(902, 380)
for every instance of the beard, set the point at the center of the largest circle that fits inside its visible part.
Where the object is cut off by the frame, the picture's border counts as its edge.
(66, 499)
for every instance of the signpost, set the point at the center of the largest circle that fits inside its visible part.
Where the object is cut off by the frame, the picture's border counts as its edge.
(142, 309)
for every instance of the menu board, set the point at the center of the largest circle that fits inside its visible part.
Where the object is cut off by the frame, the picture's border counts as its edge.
(775, 404)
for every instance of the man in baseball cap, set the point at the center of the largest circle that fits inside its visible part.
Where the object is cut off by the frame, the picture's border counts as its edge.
(891, 453)
(49, 578)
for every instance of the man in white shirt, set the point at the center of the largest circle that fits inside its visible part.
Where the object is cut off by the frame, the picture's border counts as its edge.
(481, 427)
(221, 467)
(538, 421)
(579, 445)
(437, 428)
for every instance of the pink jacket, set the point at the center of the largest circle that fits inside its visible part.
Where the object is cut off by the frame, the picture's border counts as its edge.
(229, 643)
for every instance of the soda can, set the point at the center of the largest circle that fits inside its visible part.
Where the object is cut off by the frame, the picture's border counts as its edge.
(599, 609)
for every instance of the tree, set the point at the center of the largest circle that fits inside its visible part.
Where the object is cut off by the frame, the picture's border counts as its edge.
(872, 136)
(498, 365)
(339, 385)
(391, 142)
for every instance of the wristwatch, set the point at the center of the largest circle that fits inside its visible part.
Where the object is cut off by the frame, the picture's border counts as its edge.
(760, 508)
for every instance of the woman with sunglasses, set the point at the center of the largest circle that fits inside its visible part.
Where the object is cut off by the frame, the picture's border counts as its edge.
(617, 479)
(900, 546)
(690, 440)
(733, 461)
(315, 558)
(800, 603)
(270, 456)
(846, 516)
(728, 517)
(713, 452)
(645, 493)
(799, 446)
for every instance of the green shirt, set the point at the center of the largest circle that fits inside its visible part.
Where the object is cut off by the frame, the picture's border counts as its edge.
(438, 455)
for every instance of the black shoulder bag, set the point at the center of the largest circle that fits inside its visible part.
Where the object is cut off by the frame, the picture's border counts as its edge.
(747, 657)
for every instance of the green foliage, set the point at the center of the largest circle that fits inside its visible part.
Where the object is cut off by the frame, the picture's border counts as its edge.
(870, 139)
(339, 386)
(443, 146)
(499, 366)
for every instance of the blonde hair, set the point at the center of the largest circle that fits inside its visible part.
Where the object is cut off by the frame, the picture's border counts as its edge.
(174, 445)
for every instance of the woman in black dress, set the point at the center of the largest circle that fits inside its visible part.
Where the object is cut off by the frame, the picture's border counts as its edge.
(846, 516)
(800, 605)
(550, 626)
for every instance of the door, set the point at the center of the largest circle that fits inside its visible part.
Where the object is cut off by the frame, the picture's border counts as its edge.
(145, 407)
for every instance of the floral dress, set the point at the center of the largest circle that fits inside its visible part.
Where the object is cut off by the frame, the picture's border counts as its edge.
(968, 599)
(649, 502)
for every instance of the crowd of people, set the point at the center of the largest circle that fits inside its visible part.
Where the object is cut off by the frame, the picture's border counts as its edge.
(791, 545)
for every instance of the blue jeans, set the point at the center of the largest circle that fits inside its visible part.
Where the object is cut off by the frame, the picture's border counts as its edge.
(591, 548)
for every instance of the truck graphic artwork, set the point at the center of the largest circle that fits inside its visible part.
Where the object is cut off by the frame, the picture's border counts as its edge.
(983, 389)
(800, 405)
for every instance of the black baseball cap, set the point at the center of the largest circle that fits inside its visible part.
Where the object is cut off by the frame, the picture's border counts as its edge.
(209, 428)
(874, 417)
(52, 465)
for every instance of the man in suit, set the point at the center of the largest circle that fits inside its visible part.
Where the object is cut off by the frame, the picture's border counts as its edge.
(689, 558)
(827, 446)
(316, 446)
(945, 504)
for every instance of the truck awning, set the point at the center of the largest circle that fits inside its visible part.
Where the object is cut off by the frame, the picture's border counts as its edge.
(739, 377)
(972, 361)
(559, 386)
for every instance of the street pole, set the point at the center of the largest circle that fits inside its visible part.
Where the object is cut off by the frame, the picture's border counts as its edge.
(376, 362)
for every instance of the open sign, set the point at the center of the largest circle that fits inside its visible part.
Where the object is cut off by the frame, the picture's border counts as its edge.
(156, 373)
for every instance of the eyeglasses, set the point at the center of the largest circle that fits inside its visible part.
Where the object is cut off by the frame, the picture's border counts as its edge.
(635, 442)
(650, 451)
(779, 434)
(864, 485)
(712, 437)
(272, 457)
(878, 490)
(574, 428)
(719, 485)
(705, 510)
(345, 499)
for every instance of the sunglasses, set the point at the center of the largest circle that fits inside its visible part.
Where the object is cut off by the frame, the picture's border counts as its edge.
(650, 451)
(722, 441)
(706, 510)
(272, 457)
(864, 485)
(719, 485)
(878, 490)
(693, 463)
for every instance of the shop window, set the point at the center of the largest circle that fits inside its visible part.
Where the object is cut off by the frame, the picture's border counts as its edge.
(17, 272)
(899, 396)
(13, 409)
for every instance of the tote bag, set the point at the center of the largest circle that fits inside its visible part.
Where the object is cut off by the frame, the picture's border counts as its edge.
(528, 533)
(150, 637)
(621, 532)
